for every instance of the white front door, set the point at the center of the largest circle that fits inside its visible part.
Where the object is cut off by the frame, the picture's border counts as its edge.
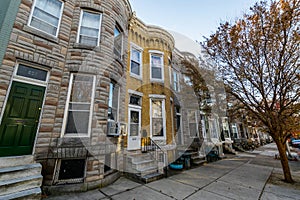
(134, 129)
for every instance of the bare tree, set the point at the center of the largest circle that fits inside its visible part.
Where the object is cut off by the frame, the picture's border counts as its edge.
(258, 57)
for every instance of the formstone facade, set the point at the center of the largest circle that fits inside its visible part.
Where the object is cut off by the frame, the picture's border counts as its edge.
(69, 60)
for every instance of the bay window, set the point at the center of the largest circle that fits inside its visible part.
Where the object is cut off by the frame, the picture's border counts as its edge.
(118, 42)
(157, 67)
(89, 28)
(79, 105)
(113, 101)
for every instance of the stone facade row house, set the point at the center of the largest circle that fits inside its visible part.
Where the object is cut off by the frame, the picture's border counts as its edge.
(87, 92)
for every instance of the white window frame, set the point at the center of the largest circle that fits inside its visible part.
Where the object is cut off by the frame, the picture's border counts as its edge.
(235, 128)
(177, 88)
(118, 101)
(160, 98)
(140, 50)
(67, 108)
(196, 119)
(80, 23)
(214, 126)
(181, 124)
(59, 21)
(159, 54)
(122, 38)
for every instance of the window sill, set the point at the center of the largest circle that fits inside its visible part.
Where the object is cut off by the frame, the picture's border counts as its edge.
(157, 81)
(85, 46)
(39, 33)
(136, 77)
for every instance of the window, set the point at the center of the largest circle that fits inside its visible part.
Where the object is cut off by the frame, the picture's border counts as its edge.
(113, 101)
(157, 118)
(214, 128)
(193, 126)
(46, 16)
(188, 80)
(32, 73)
(178, 125)
(135, 62)
(89, 29)
(118, 40)
(135, 100)
(157, 71)
(234, 130)
(71, 170)
(79, 107)
(176, 81)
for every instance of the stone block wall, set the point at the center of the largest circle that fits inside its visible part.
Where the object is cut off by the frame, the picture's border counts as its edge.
(61, 55)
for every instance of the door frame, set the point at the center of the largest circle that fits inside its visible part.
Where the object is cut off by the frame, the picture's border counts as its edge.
(137, 109)
(31, 81)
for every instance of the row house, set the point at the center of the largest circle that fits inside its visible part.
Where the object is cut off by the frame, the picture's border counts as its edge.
(149, 100)
(87, 91)
(61, 64)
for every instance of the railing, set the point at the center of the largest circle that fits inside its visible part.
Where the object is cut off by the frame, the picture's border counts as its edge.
(149, 146)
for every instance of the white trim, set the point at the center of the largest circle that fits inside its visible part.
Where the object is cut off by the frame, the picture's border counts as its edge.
(135, 92)
(157, 96)
(133, 45)
(80, 21)
(140, 50)
(59, 21)
(159, 54)
(31, 80)
(63, 134)
(196, 119)
(163, 118)
(172, 120)
(118, 108)
(174, 71)
(118, 27)
(139, 110)
(156, 52)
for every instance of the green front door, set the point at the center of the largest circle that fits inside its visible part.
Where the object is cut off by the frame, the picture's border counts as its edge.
(20, 120)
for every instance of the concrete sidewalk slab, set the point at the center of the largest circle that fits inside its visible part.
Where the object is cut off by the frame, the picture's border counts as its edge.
(206, 195)
(233, 191)
(89, 195)
(142, 192)
(121, 185)
(172, 188)
(192, 180)
(282, 191)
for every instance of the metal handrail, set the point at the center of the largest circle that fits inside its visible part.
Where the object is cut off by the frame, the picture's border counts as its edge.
(149, 145)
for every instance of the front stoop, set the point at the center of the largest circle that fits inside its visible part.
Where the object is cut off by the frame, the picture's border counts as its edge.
(20, 178)
(142, 167)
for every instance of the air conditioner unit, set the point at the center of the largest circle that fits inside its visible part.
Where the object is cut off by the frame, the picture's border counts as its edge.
(113, 128)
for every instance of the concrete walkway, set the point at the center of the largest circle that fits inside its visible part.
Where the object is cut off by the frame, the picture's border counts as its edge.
(232, 178)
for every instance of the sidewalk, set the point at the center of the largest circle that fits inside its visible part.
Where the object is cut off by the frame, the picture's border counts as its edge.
(232, 178)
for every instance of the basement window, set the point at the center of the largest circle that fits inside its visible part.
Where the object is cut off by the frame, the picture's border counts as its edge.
(71, 171)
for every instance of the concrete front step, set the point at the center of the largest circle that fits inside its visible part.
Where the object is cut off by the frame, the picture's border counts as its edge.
(152, 177)
(13, 161)
(34, 193)
(20, 171)
(198, 162)
(20, 184)
(148, 170)
(139, 157)
(144, 164)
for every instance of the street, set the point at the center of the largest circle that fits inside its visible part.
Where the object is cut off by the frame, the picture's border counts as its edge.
(243, 176)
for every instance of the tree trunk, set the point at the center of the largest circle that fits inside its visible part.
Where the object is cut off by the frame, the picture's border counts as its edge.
(284, 162)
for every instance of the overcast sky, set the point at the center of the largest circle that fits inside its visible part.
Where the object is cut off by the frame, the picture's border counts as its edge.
(193, 18)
